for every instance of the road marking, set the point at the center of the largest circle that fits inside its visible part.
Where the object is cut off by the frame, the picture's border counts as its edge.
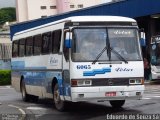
(5, 87)
(150, 97)
(156, 96)
(145, 98)
(35, 108)
(8, 86)
(22, 111)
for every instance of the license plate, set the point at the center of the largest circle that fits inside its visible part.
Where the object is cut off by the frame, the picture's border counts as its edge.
(110, 94)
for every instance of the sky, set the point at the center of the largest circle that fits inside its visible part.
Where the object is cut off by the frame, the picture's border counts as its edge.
(7, 3)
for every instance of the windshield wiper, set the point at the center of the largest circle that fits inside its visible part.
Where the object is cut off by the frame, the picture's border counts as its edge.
(110, 49)
(99, 55)
(118, 55)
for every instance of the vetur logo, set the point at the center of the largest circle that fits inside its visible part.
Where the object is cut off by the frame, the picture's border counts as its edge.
(53, 61)
(123, 69)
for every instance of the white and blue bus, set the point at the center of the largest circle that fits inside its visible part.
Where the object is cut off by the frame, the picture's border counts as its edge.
(74, 59)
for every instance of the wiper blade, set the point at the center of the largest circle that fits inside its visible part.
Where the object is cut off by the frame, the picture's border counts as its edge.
(118, 55)
(99, 55)
(110, 49)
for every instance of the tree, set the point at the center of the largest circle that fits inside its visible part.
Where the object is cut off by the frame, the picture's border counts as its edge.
(7, 14)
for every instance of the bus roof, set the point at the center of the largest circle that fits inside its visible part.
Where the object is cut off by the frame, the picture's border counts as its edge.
(99, 19)
(84, 19)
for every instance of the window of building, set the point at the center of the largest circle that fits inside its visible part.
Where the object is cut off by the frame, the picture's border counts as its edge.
(46, 43)
(56, 39)
(80, 6)
(53, 7)
(15, 48)
(43, 7)
(44, 16)
(37, 44)
(71, 6)
(22, 47)
(29, 46)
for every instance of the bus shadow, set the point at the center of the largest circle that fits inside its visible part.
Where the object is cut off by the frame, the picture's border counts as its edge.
(84, 111)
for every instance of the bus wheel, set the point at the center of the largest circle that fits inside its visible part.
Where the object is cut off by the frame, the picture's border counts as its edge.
(117, 103)
(25, 96)
(59, 104)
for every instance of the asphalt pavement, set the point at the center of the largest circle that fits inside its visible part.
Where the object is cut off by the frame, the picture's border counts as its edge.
(12, 106)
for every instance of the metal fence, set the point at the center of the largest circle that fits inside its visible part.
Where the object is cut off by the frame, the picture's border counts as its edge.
(5, 51)
(5, 55)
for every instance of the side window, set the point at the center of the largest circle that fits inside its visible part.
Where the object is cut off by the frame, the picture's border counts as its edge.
(56, 39)
(37, 44)
(15, 48)
(65, 50)
(22, 47)
(46, 43)
(29, 46)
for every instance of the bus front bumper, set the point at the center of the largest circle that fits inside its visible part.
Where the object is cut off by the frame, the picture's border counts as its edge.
(107, 93)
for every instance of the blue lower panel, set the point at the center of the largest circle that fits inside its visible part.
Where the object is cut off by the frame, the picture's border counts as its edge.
(44, 79)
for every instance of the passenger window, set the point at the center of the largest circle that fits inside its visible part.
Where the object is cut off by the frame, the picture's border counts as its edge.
(46, 43)
(65, 50)
(29, 46)
(15, 48)
(37, 44)
(56, 39)
(22, 47)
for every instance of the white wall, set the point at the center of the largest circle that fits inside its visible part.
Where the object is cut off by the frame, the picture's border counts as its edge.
(35, 11)
(21, 10)
(31, 9)
(105, 1)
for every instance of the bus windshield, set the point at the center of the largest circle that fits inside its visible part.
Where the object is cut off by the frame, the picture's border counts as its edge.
(89, 42)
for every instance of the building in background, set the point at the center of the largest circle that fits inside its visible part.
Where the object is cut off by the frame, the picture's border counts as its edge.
(5, 50)
(34, 9)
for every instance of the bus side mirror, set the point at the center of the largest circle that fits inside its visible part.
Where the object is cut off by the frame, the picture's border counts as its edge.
(142, 39)
(68, 40)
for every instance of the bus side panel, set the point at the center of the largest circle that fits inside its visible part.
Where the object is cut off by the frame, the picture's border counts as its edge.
(15, 80)
(17, 66)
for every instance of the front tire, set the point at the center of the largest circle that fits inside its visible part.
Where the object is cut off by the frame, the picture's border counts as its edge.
(59, 104)
(117, 103)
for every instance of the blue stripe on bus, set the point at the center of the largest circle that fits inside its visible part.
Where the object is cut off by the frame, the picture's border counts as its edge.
(18, 64)
(96, 71)
(44, 79)
(21, 65)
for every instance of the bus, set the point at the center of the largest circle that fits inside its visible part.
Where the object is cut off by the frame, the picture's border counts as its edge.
(155, 58)
(74, 60)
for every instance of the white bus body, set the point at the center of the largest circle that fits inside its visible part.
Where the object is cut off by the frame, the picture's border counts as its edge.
(55, 69)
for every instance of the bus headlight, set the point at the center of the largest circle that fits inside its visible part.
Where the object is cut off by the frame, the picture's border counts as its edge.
(75, 83)
(136, 81)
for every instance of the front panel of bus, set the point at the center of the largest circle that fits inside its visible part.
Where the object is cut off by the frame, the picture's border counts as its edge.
(97, 68)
